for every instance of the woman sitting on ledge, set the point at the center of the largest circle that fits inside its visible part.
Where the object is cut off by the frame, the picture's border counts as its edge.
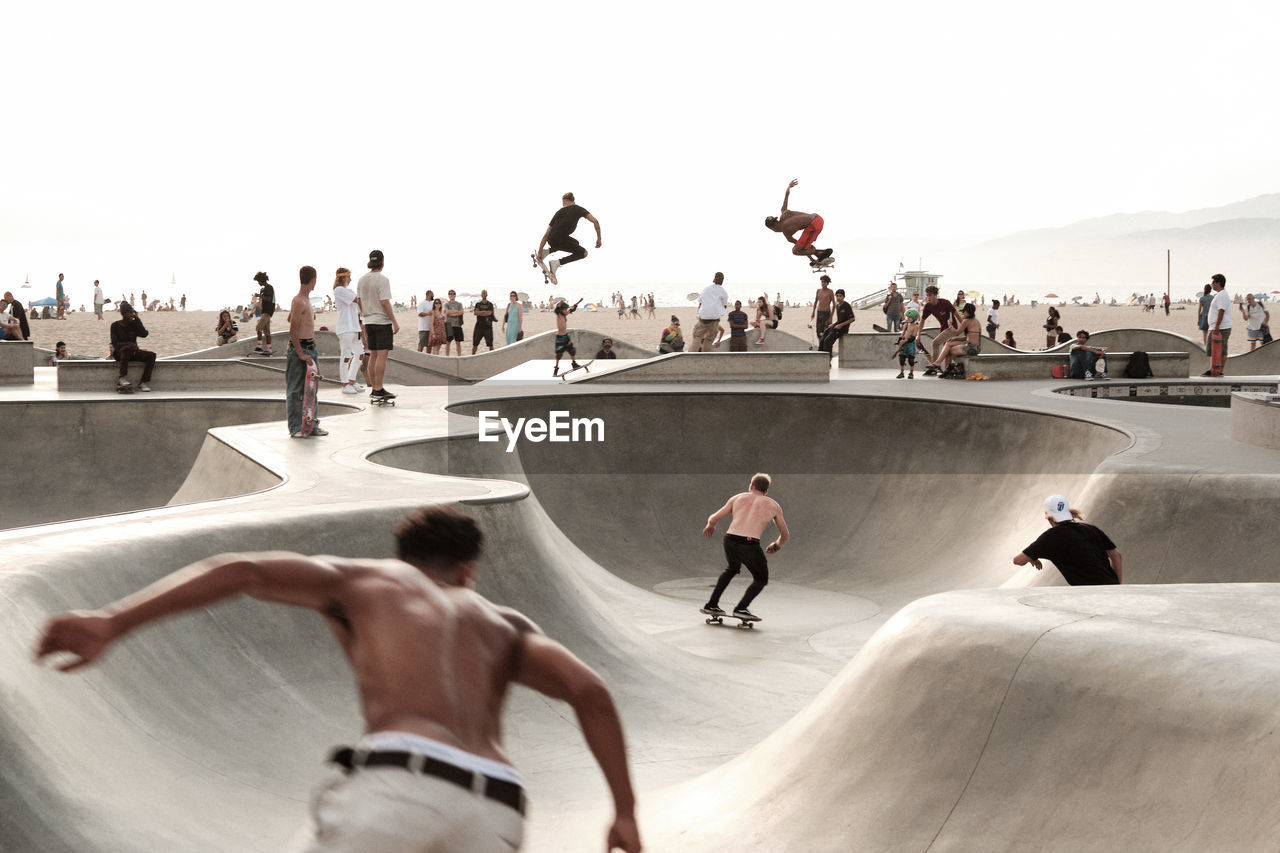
(672, 337)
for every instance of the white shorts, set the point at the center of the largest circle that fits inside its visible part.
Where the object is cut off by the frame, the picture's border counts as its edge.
(392, 810)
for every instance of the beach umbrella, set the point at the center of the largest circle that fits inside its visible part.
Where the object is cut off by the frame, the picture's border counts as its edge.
(522, 296)
(48, 300)
(1052, 296)
(692, 297)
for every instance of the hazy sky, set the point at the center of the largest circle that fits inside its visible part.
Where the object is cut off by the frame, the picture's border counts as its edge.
(147, 139)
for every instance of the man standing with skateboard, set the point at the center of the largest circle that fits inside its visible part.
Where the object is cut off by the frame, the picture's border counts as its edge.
(559, 236)
(380, 324)
(752, 511)
(792, 221)
(432, 661)
(302, 355)
(1219, 326)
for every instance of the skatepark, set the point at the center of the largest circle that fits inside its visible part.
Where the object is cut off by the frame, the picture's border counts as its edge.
(908, 689)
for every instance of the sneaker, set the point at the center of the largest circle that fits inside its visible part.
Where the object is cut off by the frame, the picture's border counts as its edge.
(573, 365)
(142, 386)
(1088, 376)
(319, 431)
(350, 389)
(900, 374)
(1207, 373)
(555, 371)
(930, 370)
(1103, 376)
(713, 610)
(360, 389)
(825, 253)
(744, 613)
(552, 266)
(759, 342)
(911, 375)
(387, 395)
(122, 382)
(258, 348)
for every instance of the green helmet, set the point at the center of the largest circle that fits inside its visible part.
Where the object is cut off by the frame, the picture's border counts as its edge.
(913, 314)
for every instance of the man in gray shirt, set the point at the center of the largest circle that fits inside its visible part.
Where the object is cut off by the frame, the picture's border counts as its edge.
(453, 322)
(712, 304)
(380, 326)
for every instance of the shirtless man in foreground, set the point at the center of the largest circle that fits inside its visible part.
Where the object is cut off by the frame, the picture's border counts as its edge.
(792, 221)
(752, 510)
(432, 660)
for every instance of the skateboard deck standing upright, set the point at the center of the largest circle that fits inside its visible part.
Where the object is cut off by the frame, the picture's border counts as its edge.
(310, 387)
(1216, 360)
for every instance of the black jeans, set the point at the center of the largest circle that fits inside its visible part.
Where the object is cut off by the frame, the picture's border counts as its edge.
(128, 353)
(567, 244)
(741, 551)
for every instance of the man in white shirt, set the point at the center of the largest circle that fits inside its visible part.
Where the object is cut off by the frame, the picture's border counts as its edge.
(97, 298)
(350, 331)
(380, 326)
(424, 321)
(1219, 319)
(712, 304)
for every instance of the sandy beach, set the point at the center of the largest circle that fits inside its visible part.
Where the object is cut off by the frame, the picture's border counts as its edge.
(177, 332)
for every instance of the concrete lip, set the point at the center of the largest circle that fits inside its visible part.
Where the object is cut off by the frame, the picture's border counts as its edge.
(865, 712)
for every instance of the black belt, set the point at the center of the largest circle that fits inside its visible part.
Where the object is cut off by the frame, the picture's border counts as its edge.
(736, 538)
(307, 343)
(507, 793)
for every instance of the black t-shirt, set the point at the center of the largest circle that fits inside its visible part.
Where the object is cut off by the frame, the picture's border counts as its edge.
(485, 321)
(1063, 337)
(566, 219)
(1079, 551)
(844, 311)
(267, 298)
(606, 354)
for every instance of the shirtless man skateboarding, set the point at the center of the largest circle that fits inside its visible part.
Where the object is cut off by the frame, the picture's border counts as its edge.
(792, 221)
(752, 510)
(432, 661)
(559, 235)
(564, 344)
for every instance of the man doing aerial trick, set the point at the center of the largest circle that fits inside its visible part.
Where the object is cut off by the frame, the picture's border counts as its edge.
(792, 221)
(559, 236)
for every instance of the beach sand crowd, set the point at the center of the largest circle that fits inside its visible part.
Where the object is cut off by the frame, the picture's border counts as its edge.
(178, 332)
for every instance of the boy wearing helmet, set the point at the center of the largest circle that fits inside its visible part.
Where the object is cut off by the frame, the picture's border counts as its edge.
(791, 221)
(906, 351)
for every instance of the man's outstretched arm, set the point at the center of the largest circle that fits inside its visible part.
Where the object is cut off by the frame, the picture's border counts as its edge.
(596, 223)
(715, 517)
(551, 669)
(786, 197)
(282, 577)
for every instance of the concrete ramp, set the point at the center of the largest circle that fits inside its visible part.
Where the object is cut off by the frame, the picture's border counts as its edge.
(1120, 719)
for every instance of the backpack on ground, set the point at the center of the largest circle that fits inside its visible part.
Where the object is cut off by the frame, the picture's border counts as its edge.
(1139, 366)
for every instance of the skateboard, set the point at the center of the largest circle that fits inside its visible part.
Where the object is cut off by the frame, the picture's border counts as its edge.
(718, 619)
(582, 367)
(382, 401)
(826, 263)
(124, 389)
(878, 328)
(546, 274)
(1215, 354)
(262, 353)
(310, 387)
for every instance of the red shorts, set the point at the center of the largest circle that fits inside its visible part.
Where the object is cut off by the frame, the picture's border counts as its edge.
(810, 233)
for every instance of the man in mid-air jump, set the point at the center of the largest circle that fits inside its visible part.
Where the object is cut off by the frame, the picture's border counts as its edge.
(559, 236)
(792, 221)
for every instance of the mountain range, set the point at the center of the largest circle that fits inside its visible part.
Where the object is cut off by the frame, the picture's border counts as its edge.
(1121, 253)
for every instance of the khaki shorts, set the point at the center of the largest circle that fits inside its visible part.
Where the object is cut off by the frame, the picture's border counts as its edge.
(264, 324)
(704, 332)
(390, 810)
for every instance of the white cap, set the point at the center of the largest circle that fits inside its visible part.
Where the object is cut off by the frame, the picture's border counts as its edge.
(1057, 508)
